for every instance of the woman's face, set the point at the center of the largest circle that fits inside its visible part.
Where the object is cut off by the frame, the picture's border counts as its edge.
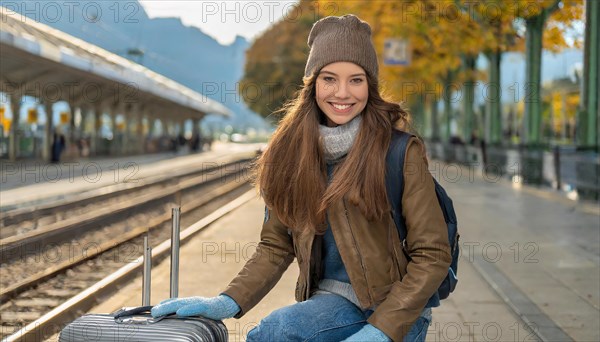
(342, 92)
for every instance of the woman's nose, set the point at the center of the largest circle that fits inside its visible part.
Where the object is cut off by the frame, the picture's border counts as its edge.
(341, 91)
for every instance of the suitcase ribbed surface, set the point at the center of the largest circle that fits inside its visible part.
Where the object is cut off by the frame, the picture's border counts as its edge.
(104, 328)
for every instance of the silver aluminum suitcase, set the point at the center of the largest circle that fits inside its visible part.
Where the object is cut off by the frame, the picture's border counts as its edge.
(137, 324)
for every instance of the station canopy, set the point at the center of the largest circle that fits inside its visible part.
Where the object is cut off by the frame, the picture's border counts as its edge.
(70, 69)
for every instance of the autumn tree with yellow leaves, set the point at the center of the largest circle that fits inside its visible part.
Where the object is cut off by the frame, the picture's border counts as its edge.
(445, 37)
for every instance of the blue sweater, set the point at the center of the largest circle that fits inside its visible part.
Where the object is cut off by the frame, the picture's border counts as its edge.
(333, 267)
(335, 278)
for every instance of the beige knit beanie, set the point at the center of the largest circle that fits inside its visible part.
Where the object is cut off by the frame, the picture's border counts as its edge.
(341, 39)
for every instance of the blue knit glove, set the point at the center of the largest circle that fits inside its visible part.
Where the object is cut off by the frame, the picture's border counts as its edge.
(368, 333)
(217, 308)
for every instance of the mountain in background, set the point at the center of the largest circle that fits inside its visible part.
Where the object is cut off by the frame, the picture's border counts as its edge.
(182, 53)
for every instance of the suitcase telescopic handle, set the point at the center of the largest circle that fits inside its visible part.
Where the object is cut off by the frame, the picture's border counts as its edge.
(139, 315)
(175, 232)
(146, 282)
(134, 311)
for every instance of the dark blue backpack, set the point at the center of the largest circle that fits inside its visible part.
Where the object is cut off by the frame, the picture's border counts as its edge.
(395, 185)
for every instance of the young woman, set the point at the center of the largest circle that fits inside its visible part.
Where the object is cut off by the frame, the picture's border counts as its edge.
(323, 181)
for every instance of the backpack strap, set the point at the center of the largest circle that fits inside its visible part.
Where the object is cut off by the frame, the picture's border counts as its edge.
(394, 179)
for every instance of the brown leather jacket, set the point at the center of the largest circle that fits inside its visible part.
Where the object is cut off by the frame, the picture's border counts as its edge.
(378, 267)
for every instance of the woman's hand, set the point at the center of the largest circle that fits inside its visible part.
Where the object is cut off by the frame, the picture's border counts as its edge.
(217, 308)
(368, 333)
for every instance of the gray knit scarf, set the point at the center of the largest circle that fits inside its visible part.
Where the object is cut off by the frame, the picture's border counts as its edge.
(338, 140)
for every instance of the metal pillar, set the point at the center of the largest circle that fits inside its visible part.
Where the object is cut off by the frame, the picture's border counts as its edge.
(182, 126)
(587, 118)
(195, 126)
(533, 117)
(419, 111)
(84, 110)
(97, 125)
(448, 104)
(125, 141)
(435, 126)
(151, 123)
(594, 74)
(72, 129)
(84, 148)
(494, 109)
(13, 142)
(533, 52)
(48, 132)
(141, 146)
(168, 126)
(469, 98)
(113, 128)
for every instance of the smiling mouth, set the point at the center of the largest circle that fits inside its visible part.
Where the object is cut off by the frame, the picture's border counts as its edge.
(341, 107)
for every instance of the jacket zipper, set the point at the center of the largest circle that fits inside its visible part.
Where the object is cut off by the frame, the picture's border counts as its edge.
(362, 265)
(403, 241)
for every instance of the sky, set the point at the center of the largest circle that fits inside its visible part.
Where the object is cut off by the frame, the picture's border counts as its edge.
(222, 20)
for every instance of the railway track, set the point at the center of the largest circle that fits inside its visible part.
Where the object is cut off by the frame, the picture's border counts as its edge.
(28, 224)
(88, 229)
(51, 284)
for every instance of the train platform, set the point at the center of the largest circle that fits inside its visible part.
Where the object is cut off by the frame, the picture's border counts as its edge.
(529, 268)
(30, 182)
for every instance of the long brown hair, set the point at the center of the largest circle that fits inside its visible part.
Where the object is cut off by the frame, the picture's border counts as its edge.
(291, 173)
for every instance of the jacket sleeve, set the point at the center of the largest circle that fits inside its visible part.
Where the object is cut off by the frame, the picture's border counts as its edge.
(426, 244)
(273, 255)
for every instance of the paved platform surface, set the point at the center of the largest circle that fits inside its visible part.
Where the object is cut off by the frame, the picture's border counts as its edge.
(539, 251)
(214, 257)
(529, 268)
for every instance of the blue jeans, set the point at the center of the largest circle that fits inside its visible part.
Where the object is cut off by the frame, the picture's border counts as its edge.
(323, 317)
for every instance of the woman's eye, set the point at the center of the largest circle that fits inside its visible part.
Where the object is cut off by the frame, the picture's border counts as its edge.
(357, 80)
(328, 79)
